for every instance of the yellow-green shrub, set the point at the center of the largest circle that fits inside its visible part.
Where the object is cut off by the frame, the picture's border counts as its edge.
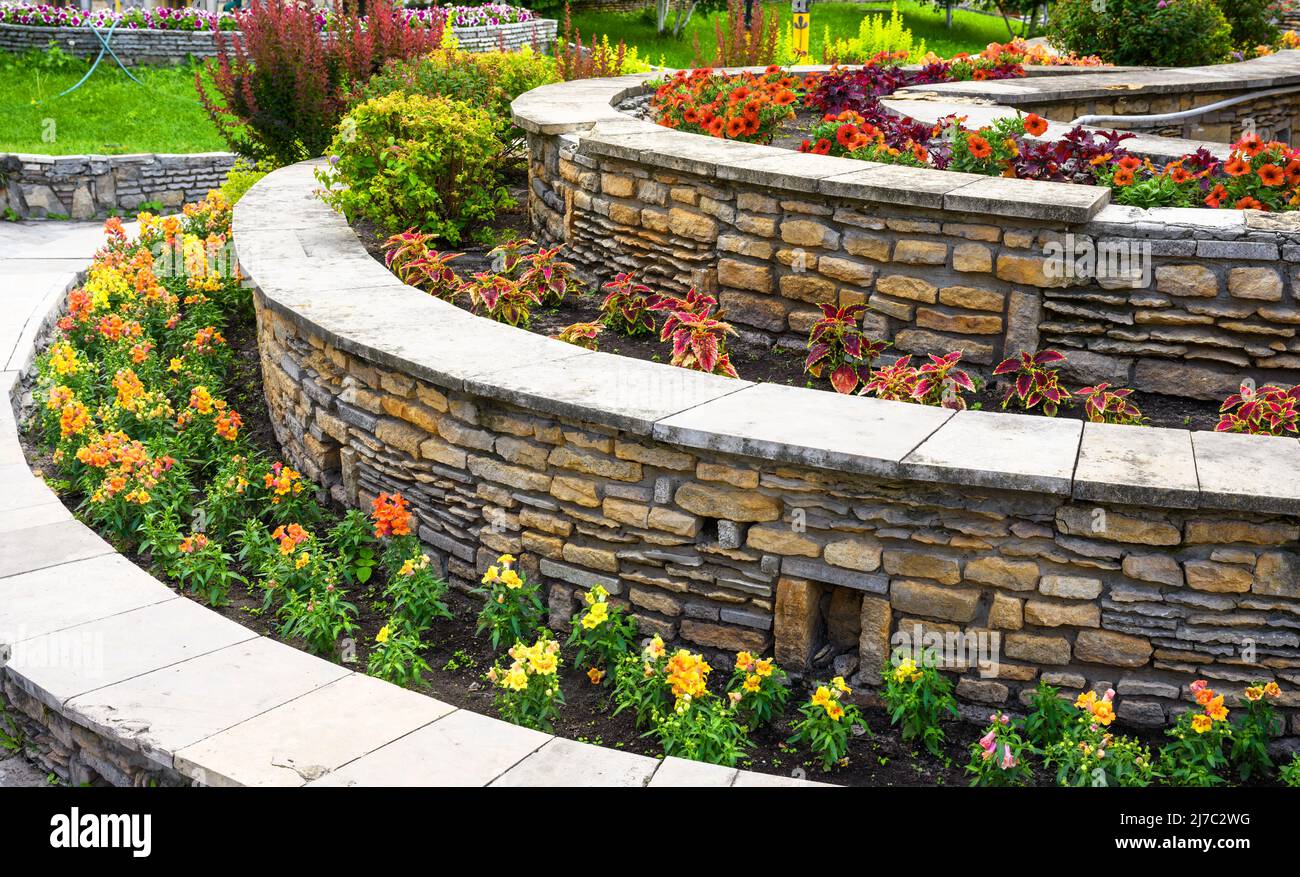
(876, 34)
(415, 161)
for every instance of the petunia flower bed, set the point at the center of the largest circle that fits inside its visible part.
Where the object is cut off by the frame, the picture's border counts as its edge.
(844, 117)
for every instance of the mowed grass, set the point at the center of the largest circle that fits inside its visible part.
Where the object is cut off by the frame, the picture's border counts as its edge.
(109, 114)
(970, 32)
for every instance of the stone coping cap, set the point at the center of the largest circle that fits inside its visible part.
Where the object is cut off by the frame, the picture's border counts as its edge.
(1271, 71)
(195, 692)
(44, 158)
(310, 268)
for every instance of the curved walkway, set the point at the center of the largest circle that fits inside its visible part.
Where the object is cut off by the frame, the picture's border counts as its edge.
(96, 640)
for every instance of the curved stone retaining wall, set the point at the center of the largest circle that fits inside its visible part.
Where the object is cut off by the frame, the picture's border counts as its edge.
(87, 186)
(143, 46)
(730, 515)
(944, 261)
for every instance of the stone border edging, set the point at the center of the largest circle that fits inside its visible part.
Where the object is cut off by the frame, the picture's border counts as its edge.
(36, 186)
(155, 46)
(169, 690)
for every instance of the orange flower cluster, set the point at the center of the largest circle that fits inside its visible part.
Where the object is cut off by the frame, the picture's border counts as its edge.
(390, 515)
(749, 107)
(1215, 711)
(687, 675)
(290, 537)
(282, 481)
(1258, 175)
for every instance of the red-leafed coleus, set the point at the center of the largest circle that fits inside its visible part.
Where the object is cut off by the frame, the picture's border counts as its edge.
(507, 257)
(1035, 384)
(837, 344)
(1104, 404)
(546, 275)
(1268, 410)
(501, 298)
(699, 339)
(582, 334)
(433, 273)
(626, 307)
(938, 382)
(400, 250)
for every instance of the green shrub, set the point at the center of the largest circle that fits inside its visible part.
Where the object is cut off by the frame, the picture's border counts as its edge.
(876, 34)
(1251, 22)
(1181, 33)
(242, 177)
(482, 79)
(414, 161)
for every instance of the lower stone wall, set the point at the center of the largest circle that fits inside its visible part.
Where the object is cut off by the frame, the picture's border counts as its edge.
(1273, 117)
(161, 47)
(72, 752)
(89, 186)
(1209, 301)
(723, 552)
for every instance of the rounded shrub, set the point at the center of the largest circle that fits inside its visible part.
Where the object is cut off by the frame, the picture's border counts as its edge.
(1162, 33)
(417, 161)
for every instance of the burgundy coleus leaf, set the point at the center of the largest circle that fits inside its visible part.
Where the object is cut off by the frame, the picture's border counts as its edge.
(962, 379)
(706, 350)
(816, 354)
(853, 346)
(1043, 357)
(1007, 366)
(1024, 383)
(845, 379)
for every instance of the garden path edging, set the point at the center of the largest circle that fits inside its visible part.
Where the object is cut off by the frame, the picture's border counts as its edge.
(134, 683)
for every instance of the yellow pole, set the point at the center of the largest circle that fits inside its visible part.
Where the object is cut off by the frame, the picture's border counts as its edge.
(802, 26)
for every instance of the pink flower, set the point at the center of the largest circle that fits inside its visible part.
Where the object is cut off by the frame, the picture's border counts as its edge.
(1008, 760)
(1198, 685)
(1110, 695)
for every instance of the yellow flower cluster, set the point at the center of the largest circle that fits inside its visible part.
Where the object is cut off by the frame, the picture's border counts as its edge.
(1215, 711)
(756, 668)
(687, 675)
(1101, 708)
(412, 564)
(540, 659)
(907, 671)
(828, 697)
(598, 611)
(501, 572)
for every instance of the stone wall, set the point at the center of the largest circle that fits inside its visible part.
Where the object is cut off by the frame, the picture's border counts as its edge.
(88, 186)
(730, 515)
(943, 261)
(161, 47)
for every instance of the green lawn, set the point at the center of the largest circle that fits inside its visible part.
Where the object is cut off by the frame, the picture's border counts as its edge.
(108, 114)
(970, 32)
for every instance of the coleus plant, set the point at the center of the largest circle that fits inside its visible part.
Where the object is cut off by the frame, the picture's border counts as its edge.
(699, 339)
(501, 299)
(938, 382)
(582, 334)
(546, 275)
(626, 307)
(1035, 384)
(1268, 410)
(836, 343)
(433, 273)
(1104, 404)
(402, 250)
(507, 256)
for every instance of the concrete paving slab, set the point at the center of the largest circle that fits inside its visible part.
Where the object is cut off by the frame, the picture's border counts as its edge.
(1138, 465)
(462, 749)
(614, 390)
(754, 780)
(897, 184)
(60, 597)
(311, 736)
(167, 710)
(1028, 199)
(796, 425)
(58, 666)
(674, 773)
(34, 516)
(37, 547)
(20, 489)
(987, 449)
(568, 763)
(1248, 472)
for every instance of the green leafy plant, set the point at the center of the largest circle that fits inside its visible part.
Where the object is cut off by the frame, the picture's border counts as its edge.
(1034, 383)
(319, 618)
(702, 729)
(202, 567)
(417, 594)
(1290, 774)
(396, 655)
(354, 543)
(917, 697)
(827, 723)
(998, 758)
(528, 688)
(1050, 716)
(1138, 31)
(602, 633)
(1252, 729)
(759, 689)
(639, 683)
(512, 606)
(414, 161)
(1088, 754)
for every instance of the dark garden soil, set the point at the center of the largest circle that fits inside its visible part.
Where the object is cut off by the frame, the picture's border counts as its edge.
(754, 361)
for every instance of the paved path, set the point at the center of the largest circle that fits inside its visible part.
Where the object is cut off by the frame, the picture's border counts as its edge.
(195, 692)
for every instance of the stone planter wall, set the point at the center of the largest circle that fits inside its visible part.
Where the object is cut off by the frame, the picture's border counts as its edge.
(944, 261)
(161, 47)
(87, 186)
(730, 515)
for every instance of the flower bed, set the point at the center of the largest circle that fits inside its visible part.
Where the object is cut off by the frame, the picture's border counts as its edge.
(163, 18)
(1258, 174)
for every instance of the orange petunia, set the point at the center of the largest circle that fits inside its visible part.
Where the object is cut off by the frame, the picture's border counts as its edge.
(1130, 163)
(1035, 125)
(1271, 175)
(822, 146)
(1236, 166)
(1249, 203)
(978, 146)
(1123, 177)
